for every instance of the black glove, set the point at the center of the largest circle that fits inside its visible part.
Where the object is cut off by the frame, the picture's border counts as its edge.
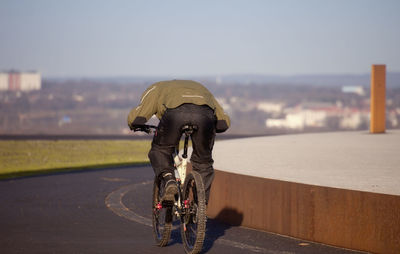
(221, 126)
(138, 122)
(143, 128)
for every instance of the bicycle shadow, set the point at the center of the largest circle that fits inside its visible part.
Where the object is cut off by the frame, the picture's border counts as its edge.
(215, 228)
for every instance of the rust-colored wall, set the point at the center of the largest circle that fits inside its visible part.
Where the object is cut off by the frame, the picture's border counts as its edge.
(346, 218)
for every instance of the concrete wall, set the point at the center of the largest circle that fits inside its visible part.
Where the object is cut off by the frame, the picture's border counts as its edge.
(345, 218)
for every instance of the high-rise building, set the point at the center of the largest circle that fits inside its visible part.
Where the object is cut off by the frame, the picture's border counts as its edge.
(20, 81)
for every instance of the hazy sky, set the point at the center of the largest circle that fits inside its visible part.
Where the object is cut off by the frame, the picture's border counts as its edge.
(82, 38)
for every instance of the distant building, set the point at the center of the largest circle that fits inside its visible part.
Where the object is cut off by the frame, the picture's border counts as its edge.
(353, 118)
(20, 81)
(299, 120)
(354, 89)
(270, 107)
(3, 81)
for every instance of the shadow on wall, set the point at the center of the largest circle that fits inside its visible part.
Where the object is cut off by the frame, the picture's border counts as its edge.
(216, 227)
(230, 215)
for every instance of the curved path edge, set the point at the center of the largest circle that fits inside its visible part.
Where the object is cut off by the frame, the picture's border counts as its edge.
(113, 201)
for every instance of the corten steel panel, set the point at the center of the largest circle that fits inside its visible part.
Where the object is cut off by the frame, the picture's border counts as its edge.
(378, 99)
(346, 218)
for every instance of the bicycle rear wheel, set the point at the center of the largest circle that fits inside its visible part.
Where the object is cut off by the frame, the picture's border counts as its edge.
(162, 218)
(193, 224)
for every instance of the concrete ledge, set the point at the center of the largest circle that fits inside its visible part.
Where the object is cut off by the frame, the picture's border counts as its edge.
(340, 189)
(345, 160)
(346, 218)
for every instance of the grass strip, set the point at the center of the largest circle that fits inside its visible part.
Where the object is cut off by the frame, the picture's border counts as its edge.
(29, 157)
(65, 170)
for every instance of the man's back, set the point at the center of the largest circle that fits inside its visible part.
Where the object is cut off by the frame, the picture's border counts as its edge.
(165, 95)
(177, 92)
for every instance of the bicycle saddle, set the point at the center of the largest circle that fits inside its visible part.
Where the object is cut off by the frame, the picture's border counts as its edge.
(189, 129)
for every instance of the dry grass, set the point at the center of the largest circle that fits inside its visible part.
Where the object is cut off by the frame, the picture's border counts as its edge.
(27, 157)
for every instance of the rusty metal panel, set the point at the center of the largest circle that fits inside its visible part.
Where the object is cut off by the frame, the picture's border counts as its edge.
(346, 218)
(378, 99)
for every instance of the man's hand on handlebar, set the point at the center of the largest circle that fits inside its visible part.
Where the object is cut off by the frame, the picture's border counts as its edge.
(145, 128)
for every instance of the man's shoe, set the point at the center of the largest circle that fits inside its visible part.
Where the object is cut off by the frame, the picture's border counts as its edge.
(170, 188)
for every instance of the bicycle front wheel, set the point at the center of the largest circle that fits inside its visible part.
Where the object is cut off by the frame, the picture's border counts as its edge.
(162, 218)
(193, 224)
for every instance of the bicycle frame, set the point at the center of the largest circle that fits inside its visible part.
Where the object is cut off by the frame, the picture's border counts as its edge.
(181, 163)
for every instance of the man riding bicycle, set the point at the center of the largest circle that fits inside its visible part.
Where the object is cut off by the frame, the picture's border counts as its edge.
(177, 103)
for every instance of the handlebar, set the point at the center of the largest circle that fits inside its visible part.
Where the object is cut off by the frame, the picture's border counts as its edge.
(187, 129)
(145, 128)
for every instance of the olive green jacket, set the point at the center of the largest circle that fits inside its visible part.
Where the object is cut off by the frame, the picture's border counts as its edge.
(171, 94)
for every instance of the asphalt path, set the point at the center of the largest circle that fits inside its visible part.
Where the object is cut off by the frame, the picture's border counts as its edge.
(108, 211)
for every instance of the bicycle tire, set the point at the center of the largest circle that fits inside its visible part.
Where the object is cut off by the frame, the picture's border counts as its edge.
(193, 224)
(162, 218)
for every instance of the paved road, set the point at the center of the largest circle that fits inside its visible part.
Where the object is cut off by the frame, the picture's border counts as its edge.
(107, 211)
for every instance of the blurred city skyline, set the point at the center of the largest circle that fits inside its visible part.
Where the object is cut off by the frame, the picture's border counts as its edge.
(182, 38)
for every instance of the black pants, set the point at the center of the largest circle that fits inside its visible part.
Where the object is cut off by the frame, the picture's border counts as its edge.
(168, 136)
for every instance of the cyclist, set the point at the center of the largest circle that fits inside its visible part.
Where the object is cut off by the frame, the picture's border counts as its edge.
(177, 103)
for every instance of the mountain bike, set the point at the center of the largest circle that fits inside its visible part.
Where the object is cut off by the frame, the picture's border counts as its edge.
(189, 206)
